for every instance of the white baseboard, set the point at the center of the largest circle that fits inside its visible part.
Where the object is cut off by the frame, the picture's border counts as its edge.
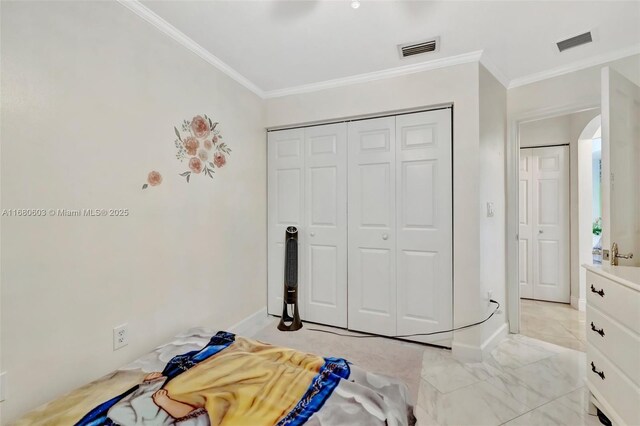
(579, 304)
(466, 353)
(251, 324)
(471, 353)
(494, 340)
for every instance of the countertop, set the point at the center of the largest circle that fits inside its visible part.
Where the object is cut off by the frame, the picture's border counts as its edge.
(628, 276)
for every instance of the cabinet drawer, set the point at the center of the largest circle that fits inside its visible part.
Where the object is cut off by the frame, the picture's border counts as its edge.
(618, 391)
(615, 300)
(617, 343)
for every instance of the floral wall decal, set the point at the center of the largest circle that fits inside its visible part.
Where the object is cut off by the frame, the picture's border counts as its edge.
(199, 141)
(154, 179)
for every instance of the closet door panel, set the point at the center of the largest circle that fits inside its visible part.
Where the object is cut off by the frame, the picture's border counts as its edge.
(286, 175)
(424, 225)
(326, 224)
(371, 198)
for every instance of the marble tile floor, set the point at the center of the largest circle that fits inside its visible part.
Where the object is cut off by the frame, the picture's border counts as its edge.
(551, 322)
(524, 381)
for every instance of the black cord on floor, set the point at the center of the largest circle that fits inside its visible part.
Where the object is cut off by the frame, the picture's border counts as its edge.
(369, 335)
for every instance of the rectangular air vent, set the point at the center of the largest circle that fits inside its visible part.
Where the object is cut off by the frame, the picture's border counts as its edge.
(411, 49)
(575, 41)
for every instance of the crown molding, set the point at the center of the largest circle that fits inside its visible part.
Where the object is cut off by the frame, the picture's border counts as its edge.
(574, 66)
(151, 17)
(477, 56)
(494, 70)
(377, 75)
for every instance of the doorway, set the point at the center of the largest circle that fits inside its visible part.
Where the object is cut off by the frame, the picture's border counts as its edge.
(596, 196)
(559, 319)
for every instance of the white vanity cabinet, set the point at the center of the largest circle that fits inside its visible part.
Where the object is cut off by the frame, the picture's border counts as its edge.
(613, 341)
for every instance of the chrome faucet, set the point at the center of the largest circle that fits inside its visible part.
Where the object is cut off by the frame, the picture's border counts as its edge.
(615, 255)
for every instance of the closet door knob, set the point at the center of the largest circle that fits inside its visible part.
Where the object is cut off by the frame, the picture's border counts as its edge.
(540, 231)
(385, 236)
(312, 234)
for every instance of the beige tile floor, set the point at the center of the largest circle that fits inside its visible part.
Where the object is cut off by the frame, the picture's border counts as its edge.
(556, 323)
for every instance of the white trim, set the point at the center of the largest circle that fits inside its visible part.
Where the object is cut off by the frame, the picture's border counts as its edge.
(579, 304)
(466, 353)
(494, 340)
(250, 325)
(471, 353)
(493, 69)
(574, 66)
(377, 75)
(512, 215)
(478, 56)
(601, 403)
(512, 246)
(151, 17)
(361, 117)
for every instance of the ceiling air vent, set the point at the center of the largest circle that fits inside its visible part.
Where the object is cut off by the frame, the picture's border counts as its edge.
(575, 41)
(411, 49)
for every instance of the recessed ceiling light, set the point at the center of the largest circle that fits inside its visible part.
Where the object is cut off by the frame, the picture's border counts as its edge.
(355, 4)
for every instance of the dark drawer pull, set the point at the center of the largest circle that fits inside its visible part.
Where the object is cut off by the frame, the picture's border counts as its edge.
(600, 292)
(599, 331)
(599, 373)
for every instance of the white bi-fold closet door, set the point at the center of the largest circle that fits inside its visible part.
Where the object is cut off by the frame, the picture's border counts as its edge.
(544, 223)
(307, 172)
(400, 225)
(385, 266)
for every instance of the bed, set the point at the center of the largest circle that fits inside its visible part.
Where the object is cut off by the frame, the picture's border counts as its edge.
(204, 377)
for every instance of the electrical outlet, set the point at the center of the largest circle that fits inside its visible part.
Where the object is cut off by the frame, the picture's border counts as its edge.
(120, 336)
(490, 209)
(489, 294)
(3, 386)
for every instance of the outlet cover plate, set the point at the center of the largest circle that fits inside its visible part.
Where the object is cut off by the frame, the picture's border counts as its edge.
(120, 336)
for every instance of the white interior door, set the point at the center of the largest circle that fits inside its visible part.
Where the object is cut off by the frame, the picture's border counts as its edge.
(621, 165)
(371, 212)
(326, 224)
(525, 233)
(424, 225)
(550, 215)
(285, 151)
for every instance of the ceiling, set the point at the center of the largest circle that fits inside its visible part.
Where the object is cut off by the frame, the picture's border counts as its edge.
(278, 45)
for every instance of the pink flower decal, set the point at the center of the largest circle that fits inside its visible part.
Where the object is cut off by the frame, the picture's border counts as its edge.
(201, 131)
(195, 165)
(191, 144)
(154, 179)
(200, 127)
(219, 159)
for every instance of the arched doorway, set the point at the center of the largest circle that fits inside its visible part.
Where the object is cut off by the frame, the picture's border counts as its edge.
(589, 202)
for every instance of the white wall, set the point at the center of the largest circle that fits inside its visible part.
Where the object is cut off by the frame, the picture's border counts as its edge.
(551, 131)
(577, 88)
(493, 132)
(90, 95)
(458, 85)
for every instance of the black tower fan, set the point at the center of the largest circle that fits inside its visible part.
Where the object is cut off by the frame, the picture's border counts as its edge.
(290, 299)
